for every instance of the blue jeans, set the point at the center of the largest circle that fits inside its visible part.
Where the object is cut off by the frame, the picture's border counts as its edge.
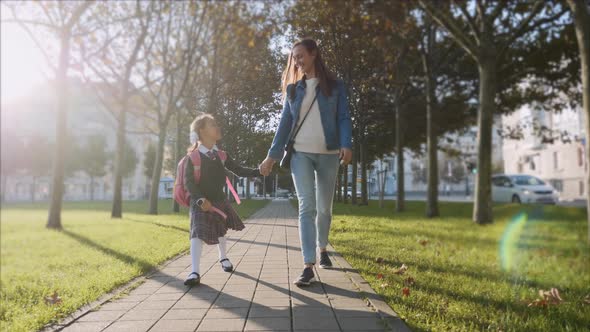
(314, 176)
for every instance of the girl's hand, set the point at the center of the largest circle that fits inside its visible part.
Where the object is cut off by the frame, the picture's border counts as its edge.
(345, 156)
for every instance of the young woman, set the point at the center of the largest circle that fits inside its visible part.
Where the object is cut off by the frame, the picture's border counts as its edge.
(315, 101)
(208, 200)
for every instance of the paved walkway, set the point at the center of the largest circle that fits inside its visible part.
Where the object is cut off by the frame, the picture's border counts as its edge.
(257, 296)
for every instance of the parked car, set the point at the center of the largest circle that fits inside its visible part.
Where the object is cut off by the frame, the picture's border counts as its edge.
(521, 188)
(349, 192)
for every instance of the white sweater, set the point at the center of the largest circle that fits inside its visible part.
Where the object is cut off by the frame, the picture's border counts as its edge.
(311, 138)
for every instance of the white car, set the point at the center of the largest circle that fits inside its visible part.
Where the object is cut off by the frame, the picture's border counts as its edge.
(349, 192)
(520, 188)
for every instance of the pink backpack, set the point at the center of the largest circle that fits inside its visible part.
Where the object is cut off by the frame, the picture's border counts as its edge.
(181, 194)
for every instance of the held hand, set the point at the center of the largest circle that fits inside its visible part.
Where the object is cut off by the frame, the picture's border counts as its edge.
(266, 166)
(206, 206)
(345, 156)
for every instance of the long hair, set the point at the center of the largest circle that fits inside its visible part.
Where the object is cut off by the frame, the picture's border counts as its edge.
(292, 74)
(197, 125)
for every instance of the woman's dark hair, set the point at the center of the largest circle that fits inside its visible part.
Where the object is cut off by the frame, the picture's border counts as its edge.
(292, 74)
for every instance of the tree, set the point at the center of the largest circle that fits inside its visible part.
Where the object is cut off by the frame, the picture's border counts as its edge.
(111, 53)
(427, 49)
(61, 19)
(94, 158)
(177, 44)
(487, 31)
(149, 160)
(129, 160)
(581, 13)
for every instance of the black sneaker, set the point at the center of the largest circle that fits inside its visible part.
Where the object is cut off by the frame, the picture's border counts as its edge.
(305, 278)
(193, 279)
(325, 261)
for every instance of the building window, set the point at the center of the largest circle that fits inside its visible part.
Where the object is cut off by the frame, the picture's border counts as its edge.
(581, 188)
(555, 162)
(557, 185)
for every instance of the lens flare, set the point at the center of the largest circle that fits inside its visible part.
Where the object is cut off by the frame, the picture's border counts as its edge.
(510, 239)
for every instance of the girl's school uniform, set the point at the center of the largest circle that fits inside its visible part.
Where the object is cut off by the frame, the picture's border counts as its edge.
(210, 226)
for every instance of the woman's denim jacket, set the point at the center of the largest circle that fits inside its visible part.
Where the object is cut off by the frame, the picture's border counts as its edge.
(333, 112)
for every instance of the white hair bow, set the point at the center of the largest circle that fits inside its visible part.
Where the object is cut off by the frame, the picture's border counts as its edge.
(194, 137)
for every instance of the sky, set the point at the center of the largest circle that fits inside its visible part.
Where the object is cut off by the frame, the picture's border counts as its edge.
(22, 65)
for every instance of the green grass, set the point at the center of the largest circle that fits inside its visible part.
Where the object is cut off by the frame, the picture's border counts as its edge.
(91, 256)
(461, 282)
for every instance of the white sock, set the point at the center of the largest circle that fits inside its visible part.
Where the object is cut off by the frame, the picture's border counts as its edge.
(222, 254)
(196, 245)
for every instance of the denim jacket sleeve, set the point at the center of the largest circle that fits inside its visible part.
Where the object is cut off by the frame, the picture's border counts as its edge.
(277, 147)
(344, 121)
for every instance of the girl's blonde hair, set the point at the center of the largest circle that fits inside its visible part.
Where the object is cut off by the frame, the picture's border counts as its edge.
(197, 125)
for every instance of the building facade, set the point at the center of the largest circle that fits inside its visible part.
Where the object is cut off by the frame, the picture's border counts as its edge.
(559, 158)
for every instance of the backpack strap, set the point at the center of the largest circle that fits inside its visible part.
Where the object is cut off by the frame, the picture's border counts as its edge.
(195, 156)
(223, 156)
(196, 160)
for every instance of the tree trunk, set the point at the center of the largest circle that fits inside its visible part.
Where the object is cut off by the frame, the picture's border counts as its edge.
(212, 101)
(345, 185)
(33, 187)
(482, 207)
(581, 13)
(247, 188)
(339, 185)
(92, 188)
(178, 155)
(117, 209)
(381, 177)
(3, 197)
(57, 187)
(399, 148)
(431, 139)
(364, 196)
(355, 161)
(155, 183)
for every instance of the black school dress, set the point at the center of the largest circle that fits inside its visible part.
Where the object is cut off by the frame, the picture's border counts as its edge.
(210, 226)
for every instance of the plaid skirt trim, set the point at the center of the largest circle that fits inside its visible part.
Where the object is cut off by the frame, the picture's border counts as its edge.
(210, 226)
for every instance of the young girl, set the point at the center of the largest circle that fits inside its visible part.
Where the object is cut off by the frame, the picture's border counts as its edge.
(208, 198)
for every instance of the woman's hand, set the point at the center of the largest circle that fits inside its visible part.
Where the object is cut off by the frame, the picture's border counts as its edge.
(266, 166)
(345, 156)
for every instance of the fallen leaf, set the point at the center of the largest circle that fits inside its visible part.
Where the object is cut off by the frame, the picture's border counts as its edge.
(423, 242)
(546, 298)
(406, 291)
(401, 270)
(380, 276)
(409, 281)
(379, 260)
(53, 299)
(552, 296)
(538, 303)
